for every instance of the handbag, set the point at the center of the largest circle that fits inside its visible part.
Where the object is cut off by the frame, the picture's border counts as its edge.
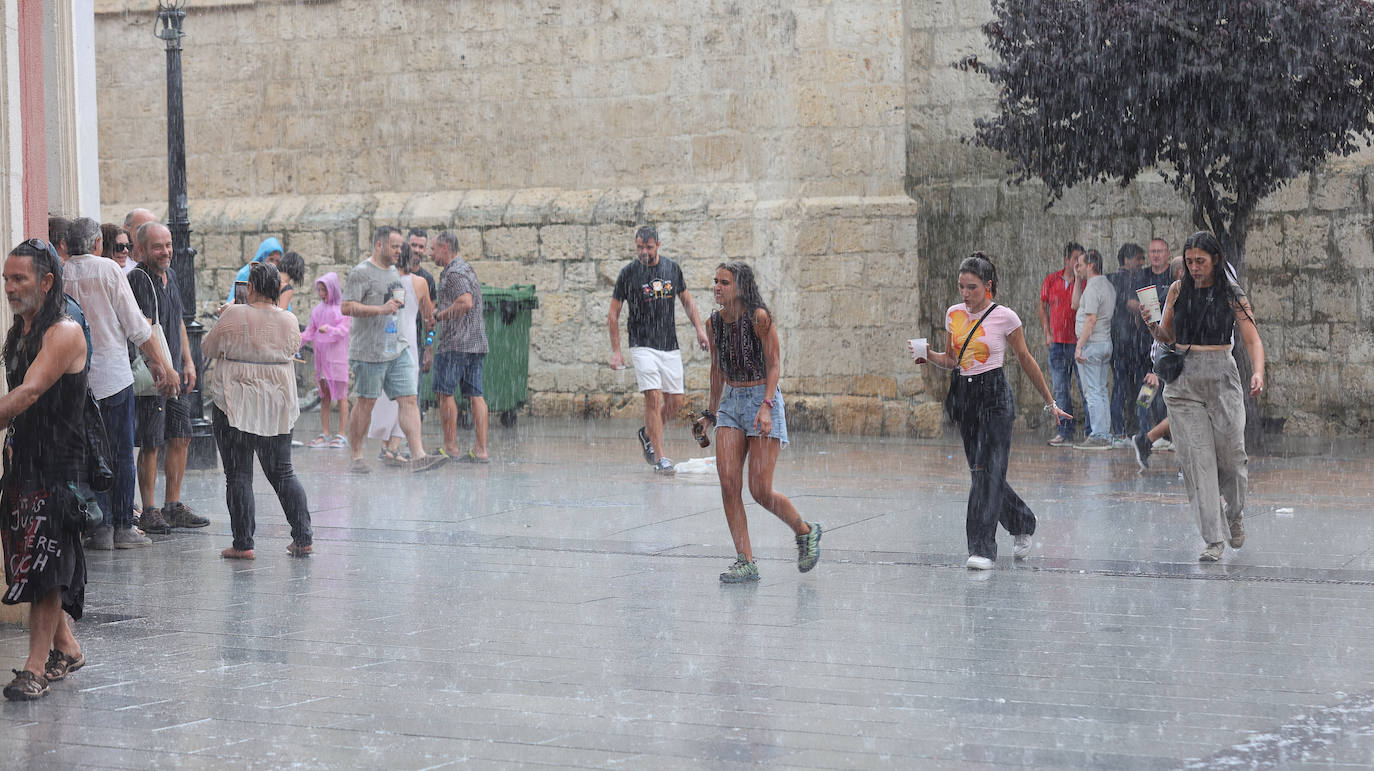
(144, 384)
(952, 405)
(86, 513)
(1170, 364)
(98, 454)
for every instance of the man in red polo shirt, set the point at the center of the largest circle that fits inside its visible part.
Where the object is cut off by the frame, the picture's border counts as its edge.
(1057, 322)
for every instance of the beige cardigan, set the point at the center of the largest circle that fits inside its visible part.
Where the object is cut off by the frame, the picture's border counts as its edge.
(253, 380)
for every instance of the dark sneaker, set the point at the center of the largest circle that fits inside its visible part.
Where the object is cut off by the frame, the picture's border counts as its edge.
(1141, 444)
(665, 467)
(102, 538)
(809, 548)
(1237, 533)
(26, 686)
(1094, 443)
(1212, 553)
(180, 515)
(153, 522)
(60, 665)
(741, 572)
(647, 445)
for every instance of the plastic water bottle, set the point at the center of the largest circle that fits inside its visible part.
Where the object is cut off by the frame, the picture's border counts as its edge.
(1147, 395)
(389, 344)
(698, 430)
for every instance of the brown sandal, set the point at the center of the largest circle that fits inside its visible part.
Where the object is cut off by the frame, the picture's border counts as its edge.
(60, 665)
(300, 551)
(26, 686)
(237, 554)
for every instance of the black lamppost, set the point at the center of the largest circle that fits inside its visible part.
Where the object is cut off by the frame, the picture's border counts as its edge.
(170, 15)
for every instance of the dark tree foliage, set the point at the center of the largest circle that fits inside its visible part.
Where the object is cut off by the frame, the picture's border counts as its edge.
(1228, 100)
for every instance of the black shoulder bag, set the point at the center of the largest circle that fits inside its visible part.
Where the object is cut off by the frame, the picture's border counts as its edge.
(953, 407)
(1170, 364)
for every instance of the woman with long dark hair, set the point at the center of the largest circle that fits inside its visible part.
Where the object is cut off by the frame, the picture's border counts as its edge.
(981, 403)
(1206, 402)
(253, 386)
(747, 410)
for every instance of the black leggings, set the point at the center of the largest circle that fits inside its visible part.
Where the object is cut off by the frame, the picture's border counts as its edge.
(236, 450)
(985, 415)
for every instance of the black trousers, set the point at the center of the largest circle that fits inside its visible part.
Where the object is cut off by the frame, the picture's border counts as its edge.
(985, 413)
(236, 450)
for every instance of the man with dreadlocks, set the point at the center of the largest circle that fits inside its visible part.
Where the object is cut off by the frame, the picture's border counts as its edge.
(40, 521)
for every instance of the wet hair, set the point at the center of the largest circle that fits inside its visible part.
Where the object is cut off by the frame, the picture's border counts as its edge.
(417, 232)
(978, 264)
(145, 232)
(1128, 251)
(82, 235)
(265, 279)
(447, 237)
(403, 261)
(746, 288)
(1094, 258)
(1161, 240)
(109, 235)
(1071, 247)
(58, 228)
(54, 306)
(382, 234)
(293, 266)
(1225, 288)
(649, 233)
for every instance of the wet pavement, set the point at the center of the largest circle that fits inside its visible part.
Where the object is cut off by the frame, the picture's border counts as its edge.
(561, 607)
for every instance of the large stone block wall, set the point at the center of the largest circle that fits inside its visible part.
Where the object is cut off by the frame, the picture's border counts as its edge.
(1310, 256)
(838, 273)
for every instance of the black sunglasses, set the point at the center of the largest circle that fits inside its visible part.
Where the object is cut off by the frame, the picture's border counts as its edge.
(43, 246)
(123, 247)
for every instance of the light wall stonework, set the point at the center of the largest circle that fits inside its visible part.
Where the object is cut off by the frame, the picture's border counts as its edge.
(821, 140)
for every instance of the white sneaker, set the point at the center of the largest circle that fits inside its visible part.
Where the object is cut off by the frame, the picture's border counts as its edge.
(1023, 546)
(979, 563)
(1162, 445)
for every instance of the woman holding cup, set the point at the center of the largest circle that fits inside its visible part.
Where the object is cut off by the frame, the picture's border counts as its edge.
(980, 402)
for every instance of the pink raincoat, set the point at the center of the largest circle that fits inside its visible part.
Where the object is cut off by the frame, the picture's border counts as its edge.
(331, 346)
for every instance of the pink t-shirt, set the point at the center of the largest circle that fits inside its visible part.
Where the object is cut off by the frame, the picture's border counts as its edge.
(989, 344)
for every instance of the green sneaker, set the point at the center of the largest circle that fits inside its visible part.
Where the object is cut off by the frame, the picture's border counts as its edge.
(809, 548)
(743, 570)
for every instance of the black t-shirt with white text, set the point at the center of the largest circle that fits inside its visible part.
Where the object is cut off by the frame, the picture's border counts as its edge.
(651, 293)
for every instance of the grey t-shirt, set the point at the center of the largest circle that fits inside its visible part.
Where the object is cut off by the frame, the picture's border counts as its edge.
(374, 338)
(1099, 297)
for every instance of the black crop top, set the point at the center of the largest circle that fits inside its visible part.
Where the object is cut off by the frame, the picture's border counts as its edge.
(739, 351)
(1205, 316)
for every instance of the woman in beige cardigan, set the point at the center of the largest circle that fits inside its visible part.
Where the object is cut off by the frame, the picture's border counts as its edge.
(253, 386)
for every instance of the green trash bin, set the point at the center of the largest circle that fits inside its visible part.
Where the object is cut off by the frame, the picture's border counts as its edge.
(506, 370)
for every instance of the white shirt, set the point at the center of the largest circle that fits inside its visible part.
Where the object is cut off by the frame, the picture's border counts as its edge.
(113, 315)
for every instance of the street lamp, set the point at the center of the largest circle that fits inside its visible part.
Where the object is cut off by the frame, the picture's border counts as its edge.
(170, 15)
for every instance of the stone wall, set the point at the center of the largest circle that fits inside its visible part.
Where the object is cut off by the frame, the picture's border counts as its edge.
(1310, 256)
(837, 273)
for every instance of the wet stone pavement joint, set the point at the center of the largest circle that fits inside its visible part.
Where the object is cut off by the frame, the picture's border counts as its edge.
(560, 607)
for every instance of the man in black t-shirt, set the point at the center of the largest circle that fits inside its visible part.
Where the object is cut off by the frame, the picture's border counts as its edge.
(163, 421)
(649, 285)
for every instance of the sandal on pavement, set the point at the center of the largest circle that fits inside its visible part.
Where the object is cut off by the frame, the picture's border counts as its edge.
(390, 458)
(431, 461)
(300, 551)
(471, 458)
(60, 665)
(359, 466)
(237, 554)
(319, 443)
(26, 686)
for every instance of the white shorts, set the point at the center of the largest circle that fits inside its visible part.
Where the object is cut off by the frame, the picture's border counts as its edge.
(657, 370)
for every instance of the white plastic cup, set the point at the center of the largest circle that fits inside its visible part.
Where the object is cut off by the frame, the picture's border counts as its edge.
(918, 348)
(1149, 298)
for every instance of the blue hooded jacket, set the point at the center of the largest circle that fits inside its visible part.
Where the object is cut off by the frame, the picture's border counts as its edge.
(268, 245)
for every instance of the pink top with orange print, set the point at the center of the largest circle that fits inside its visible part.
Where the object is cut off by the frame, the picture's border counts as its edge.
(989, 344)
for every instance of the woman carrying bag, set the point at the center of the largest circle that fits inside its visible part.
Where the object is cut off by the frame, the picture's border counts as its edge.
(980, 402)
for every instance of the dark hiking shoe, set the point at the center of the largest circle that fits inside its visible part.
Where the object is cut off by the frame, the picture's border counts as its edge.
(809, 548)
(180, 515)
(153, 522)
(647, 445)
(1141, 444)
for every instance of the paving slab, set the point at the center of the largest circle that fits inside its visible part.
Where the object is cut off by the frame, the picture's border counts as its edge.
(560, 608)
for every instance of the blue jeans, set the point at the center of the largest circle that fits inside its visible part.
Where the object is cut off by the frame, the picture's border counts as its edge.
(1062, 369)
(1092, 377)
(117, 412)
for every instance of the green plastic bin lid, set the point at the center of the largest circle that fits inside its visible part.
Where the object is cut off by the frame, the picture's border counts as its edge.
(522, 294)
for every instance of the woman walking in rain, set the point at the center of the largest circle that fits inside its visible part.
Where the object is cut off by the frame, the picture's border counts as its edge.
(980, 402)
(747, 410)
(1205, 401)
(253, 347)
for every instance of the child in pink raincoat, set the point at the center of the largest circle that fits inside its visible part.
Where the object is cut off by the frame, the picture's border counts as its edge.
(328, 332)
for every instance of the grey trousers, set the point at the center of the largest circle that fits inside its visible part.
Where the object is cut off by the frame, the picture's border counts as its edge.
(1207, 420)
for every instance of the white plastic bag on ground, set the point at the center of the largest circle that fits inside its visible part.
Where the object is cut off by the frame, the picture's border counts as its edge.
(697, 466)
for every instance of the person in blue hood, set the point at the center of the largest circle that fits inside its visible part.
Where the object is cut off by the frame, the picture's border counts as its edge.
(269, 251)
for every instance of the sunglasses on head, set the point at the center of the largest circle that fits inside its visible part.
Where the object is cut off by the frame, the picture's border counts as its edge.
(42, 246)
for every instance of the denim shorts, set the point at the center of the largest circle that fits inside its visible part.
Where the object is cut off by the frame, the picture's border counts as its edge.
(396, 378)
(456, 372)
(739, 406)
